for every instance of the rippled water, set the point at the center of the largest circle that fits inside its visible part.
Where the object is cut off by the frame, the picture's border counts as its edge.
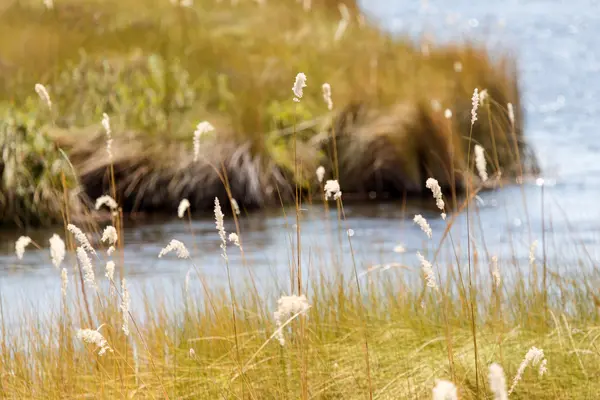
(555, 42)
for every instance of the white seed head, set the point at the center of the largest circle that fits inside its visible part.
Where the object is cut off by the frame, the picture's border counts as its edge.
(86, 265)
(236, 206)
(320, 173)
(81, 238)
(110, 251)
(434, 186)
(511, 114)
(176, 246)
(332, 190)
(299, 84)
(543, 370)
(94, 337)
(327, 96)
(483, 95)
(219, 223)
(532, 249)
(110, 235)
(423, 224)
(57, 250)
(288, 306)
(235, 239)
(43, 93)
(448, 113)
(497, 382)
(399, 249)
(108, 130)
(110, 270)
(444, 390)
(458, 67)
(427, 271)
(183, 207)
(125, 304)
(20, 245)
(107, 201)
(534, 357)
(64, 282)
(475, 102)
(49, 4)
(201, 129)
(481, 163)
(192, 353)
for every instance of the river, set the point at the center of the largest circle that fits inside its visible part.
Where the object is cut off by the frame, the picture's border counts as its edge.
(555, 43)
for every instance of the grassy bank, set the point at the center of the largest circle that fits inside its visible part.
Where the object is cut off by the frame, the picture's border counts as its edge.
(157, 70)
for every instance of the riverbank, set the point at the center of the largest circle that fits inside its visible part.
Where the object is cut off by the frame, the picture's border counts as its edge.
(158, 71)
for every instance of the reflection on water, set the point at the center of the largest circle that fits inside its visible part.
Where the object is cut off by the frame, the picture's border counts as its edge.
(555, 44)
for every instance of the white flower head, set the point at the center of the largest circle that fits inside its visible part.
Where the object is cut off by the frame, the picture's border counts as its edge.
(110, 270)
(220, 224)
(81, 238)
(320, 173)
(482, 96)
(236, 206)
(435, 188)
(327, 96)
(448, 113)
(475, 101)
(288, 306)
(43, 93)
(107, 128)
(427, 271)
(20, 245)
(235, 239)
(107, 201)
(423, 224)
(64, 282)
(183, 207)
(496, 271)
(511, 114)
(444, 390)
(201, 129)
(497, 382)
(480, 162)
(176, 246)
(110, 250)
(57, 250)
(332, 190)
(534, 357)
(299, 84)
(110, 235)
(192, 353)
(94, 337)
(125, 304)
(86, 265)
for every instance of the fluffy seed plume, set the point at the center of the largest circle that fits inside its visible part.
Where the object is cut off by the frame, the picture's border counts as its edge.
(125, 303)
(236, 206)
(496, 271)
(480, 162)
(299, 84)
(110, 235)
(288, 306)
(108, 130)
(43, 93)
(235, 239)
(435, 188)
(49, 4)
(423, 224)
(444, 390)
(107, 201)
(20, 245)
(327, 96)
(448, 113)
(543, 370)
(64, 278)
(219, 223)
(192, 353)
(475, 102)
(86, 266)
(201, 129)
(183, 207)
(81, 238)
(110, 270)
(511, 114)
(497, 382)
(176, 246)
(427, 271)
(320, 173)
(332, 190)
(57, 250)
(534, 357)
(94, 337)
(532, 252)
(110, 250)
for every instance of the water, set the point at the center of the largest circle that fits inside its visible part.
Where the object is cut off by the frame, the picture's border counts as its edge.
(559, 61)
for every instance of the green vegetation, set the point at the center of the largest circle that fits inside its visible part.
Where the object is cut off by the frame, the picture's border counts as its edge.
(157, 70)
